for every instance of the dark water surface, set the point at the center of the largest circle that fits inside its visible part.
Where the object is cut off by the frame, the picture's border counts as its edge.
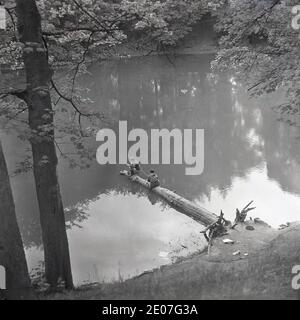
(115, 232)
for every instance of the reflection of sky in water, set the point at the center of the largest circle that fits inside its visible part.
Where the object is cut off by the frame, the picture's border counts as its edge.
(272, 204)
(248, 156)
(125, 236)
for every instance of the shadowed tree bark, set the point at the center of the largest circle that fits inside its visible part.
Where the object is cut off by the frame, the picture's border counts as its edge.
(37, 97)
(12, 256)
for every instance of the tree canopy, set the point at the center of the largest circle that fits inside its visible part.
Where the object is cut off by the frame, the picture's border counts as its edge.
(256, 42)
(77, 33)
(259, 43)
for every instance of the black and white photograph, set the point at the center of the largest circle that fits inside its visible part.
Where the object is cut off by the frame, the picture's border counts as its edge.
(149, 151)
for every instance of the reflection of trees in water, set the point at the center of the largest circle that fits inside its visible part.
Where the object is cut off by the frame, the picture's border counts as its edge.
(154, 93)
(180, 96)
(278, 143)
(281, 151)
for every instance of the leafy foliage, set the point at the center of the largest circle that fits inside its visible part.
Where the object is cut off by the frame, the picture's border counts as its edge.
(259, 43)
(77, 33)
(256, 41)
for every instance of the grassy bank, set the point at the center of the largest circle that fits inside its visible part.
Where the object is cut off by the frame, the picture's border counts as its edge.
(265, 273)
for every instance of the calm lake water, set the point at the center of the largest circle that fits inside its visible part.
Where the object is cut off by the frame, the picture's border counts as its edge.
(115, 231)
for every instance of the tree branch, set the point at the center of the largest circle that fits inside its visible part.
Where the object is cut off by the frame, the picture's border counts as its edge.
(81, 61)
(21, 94)
(70, 100)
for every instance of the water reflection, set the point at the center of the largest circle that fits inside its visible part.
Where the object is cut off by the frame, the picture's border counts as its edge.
(127, 235)
(115, 231)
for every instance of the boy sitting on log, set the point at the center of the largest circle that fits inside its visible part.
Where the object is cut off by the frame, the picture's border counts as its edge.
(153, 180)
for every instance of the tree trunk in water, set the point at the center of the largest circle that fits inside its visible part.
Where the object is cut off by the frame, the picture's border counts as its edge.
(179, 203)
(12, 256)
(37, 97)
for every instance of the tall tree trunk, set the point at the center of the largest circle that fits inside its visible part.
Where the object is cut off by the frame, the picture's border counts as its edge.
(37, 97)
(12, 256)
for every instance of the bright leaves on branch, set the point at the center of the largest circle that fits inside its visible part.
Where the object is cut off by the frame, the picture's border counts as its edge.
(259, 43)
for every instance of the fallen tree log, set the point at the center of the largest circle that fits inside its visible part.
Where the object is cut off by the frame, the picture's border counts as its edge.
(177, 202)
(231, 241)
